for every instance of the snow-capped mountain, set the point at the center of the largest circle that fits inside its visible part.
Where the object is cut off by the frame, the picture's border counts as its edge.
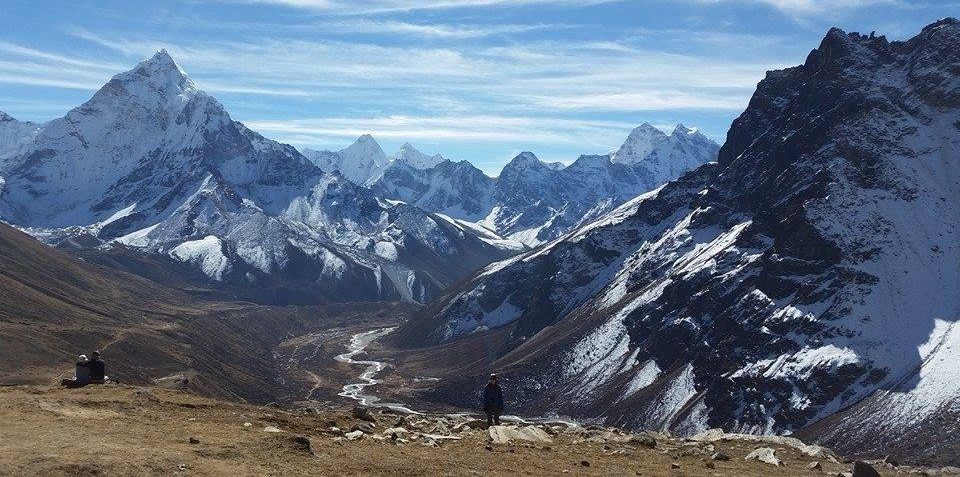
(813, 269)
(364, 161)
(410, 155)
(153, 163)
(359, 162)
(15, 137)
(532, 201)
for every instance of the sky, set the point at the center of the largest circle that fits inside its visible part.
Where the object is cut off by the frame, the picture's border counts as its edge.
(480, 80)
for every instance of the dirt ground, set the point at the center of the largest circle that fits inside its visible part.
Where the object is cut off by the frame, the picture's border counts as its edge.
(126, 430)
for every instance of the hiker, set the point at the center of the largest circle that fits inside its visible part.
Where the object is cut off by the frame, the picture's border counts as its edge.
(492, 401)
(97, 369)
(81, 375)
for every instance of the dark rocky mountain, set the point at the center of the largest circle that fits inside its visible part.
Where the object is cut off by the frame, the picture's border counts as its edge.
(154, 164)
(806, 282)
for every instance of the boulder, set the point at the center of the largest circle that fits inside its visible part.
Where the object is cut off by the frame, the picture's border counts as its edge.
(363, 414)
(815, 466)
(364, 427)
(765, 455)
(721, 456)
(863, 469)
(710, 435)
(643, 439)
(354, 435)
(302, 443)
(507, 434)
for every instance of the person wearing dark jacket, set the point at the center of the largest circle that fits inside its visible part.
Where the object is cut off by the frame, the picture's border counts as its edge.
(81, 375)
(97, 368)
(492, 401)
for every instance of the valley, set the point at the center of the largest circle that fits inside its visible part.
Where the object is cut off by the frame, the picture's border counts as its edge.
(783, 303)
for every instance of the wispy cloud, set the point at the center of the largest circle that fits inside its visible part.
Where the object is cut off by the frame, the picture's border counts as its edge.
(544, 75)
(483, 128)
(795, 7)
(434, 30)
(366, 7)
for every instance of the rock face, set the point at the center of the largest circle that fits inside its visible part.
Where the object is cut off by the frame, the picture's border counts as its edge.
(530, 201)
(812, 268)
(152, 163)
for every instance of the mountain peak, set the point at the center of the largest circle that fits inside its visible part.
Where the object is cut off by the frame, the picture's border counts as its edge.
(412, 156)
(640, 143)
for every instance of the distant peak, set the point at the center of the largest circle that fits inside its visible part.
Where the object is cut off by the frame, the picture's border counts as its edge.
(366, 138)
(4, 117)
(526, 156)
(408, 147)
(681, 129)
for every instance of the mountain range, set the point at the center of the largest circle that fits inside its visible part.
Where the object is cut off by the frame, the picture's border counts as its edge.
(804, 283)
(531, 201)
(153, 163)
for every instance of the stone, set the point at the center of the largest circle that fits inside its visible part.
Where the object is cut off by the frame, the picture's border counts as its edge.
(194, 440)
(815, 465)
(585, 463)
(890, 460)
(863, 469)
(248, 425)
(363, 414)
(710, 435)
(722, 456)
(765, 455)
(272, 429)
(507, 434)
(354, 435)
(364, 427)
(674, 465)
(643, 439)
(710, 465)
(302, 443)
(395, 432)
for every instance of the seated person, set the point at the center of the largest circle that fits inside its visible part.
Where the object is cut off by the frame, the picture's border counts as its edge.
(97, 369)
(81, 375)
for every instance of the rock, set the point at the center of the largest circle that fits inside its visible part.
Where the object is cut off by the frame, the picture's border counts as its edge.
(402, 421)
(354, 435)
(710, 435)
(643, 439)
(863, 469)
(765, 455)
(890, 460)
(364, 427)
(395, 432)
(194, 440)
(302, 443)
(710, 465)
(507, 434)
(674, 465)
(272, 429)
(815, 465)
(248, 424)
(722, 456)
(585, 463)
(950, 470)
(363, 414)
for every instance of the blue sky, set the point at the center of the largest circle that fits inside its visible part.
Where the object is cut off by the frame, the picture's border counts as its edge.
(470, 79)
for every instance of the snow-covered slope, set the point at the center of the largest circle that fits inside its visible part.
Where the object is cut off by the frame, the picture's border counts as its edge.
(813, 268)
(153, 163)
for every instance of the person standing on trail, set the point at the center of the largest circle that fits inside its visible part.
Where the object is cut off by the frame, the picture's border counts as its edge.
(493, 401)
